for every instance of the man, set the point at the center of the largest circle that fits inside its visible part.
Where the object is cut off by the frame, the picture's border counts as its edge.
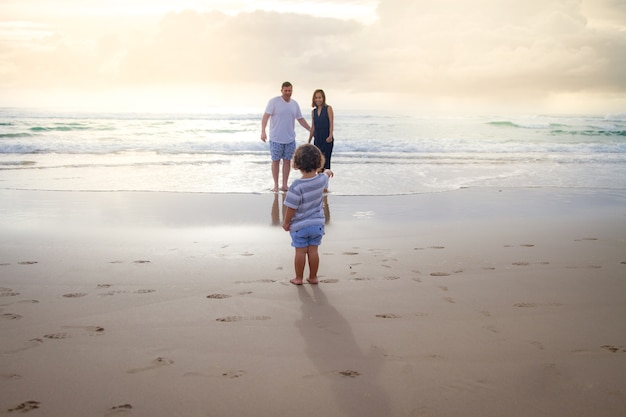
(283, 112)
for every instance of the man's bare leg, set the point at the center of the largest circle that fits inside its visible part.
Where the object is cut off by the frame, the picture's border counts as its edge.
(286, 169)
(275, 168)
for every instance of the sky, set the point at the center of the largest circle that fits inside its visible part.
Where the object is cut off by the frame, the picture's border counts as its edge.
(420, 57)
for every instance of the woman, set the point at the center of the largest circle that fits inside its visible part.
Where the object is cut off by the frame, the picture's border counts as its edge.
(322, 126)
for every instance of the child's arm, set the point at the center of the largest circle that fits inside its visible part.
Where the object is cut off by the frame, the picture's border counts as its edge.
(329, 173)
(288, 216)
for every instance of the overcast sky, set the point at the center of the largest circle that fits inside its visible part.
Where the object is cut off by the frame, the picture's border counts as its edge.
(425, 56)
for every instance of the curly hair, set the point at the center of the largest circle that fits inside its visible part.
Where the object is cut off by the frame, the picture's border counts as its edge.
(308, 158)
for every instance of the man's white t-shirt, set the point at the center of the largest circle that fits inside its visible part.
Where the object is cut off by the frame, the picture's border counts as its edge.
(282, 121)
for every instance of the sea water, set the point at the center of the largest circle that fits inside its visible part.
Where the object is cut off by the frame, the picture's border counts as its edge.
(374, 153)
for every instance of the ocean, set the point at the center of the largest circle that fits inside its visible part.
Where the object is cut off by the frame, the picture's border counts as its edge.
(374, 154)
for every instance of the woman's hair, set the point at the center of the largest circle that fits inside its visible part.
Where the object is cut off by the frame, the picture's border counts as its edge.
(319, 90)
(308, 158)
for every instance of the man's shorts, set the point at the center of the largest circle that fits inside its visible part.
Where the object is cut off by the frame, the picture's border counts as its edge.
(282, 150)
(308, 236)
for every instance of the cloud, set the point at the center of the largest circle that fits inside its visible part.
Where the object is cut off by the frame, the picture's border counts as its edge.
(449, 51)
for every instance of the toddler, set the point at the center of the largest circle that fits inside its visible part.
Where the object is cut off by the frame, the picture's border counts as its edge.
(304, 217)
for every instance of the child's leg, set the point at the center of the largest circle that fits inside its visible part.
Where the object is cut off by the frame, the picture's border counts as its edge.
(314, 263)
(299, 263)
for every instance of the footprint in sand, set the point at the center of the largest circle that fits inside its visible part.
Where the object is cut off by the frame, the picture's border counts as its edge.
(91, 330)
(449, 299)
(32, 343)
(27, 263)
(144, 291)
(439, 274)
(349, 373)
(157, 363)
(25, 407)
(263, 281)
(229, 319)
(532, 305)
(57, 336)
(392, 278)
(538, 345)
(233, 374)
(6, 292)
(329, 281)
(11, 316)
(10, 376)
(118, 409)
(218, 296)
(528, 263)
(75, 295)
(584, 267)
(614, 349)
(492, 329)
(104, 294)
(141, 261)
(388, 316)
(436, 247)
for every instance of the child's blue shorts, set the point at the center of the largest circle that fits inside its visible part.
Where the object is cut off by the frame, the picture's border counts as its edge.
(308, 236)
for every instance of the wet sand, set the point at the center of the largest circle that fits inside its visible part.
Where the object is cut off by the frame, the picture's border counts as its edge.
(478, 302)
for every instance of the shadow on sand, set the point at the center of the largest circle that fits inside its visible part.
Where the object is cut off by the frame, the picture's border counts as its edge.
(353, 376)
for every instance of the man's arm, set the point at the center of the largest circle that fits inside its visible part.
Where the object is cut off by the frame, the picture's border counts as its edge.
(266, 117)
(304, 123)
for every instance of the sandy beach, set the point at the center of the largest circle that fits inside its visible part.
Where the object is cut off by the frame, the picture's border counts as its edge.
(476, 302)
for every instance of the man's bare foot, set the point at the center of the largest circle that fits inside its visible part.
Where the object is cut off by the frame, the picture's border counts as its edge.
(296, 281)
(284, 189)
(274, 189)
(312, 281)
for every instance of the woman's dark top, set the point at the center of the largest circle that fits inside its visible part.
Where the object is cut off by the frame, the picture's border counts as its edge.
(322, 130)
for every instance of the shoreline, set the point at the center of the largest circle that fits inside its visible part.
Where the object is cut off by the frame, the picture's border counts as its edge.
(467, 303)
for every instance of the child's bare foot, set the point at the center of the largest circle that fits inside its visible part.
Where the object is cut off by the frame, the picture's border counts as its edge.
(312, 281)
(296, 281)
